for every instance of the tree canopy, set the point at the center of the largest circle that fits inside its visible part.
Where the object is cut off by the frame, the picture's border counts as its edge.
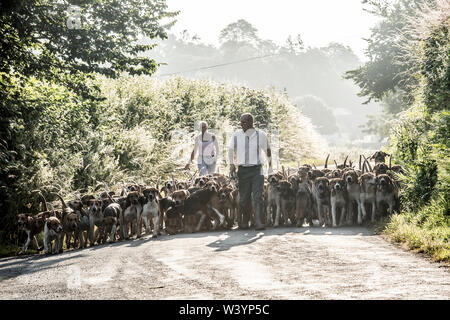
(55, 40)
(386, 71)
(239, 31)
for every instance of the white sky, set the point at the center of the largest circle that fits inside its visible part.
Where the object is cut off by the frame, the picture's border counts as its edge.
(319, 22)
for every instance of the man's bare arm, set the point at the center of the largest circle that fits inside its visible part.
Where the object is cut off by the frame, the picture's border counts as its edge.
(192, 156)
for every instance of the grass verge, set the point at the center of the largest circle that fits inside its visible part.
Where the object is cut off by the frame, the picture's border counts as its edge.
(426, 230)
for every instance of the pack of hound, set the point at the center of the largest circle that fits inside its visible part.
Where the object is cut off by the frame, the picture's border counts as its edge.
(296, 197)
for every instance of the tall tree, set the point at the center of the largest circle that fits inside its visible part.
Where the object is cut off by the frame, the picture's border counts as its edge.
(52, 40)
(294, 46)
(239, 31)
(386, 71)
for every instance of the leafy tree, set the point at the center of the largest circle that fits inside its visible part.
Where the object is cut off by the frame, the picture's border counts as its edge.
(386, 71)
(343, 58)
(294, 46)
(240, 39)
(391, 75)
(50, 40)
(239, 31)
(266, 47)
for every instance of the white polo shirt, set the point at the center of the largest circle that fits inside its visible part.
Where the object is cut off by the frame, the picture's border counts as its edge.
(248, 147)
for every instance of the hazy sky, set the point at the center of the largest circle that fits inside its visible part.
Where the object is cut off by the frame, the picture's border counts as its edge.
(318, 21)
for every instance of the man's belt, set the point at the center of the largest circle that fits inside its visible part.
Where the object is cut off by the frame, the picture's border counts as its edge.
(250, 166)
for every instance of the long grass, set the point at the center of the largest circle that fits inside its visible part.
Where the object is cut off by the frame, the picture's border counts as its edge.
(426, 231)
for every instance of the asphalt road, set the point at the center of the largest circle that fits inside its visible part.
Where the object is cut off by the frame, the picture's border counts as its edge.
(283, 263)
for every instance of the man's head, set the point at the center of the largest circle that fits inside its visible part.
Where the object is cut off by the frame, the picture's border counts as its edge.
(246, 121)
(203, 126)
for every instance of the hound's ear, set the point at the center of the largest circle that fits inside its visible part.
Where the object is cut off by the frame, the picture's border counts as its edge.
(389, 179)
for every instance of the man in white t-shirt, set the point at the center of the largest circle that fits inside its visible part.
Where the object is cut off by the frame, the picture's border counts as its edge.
(246, 148)
(207, 147)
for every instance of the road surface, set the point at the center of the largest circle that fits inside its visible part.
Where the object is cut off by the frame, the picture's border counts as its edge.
(282, 263)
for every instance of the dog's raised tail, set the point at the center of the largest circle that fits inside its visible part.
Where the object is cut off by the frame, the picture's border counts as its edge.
(193, 177)
(62, 200)
(110, 198)
(345, 161)
(157, 183)
(284, 172)
(44, 203)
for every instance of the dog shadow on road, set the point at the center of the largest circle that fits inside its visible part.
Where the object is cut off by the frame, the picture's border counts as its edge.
(321, 231)
(243, 237)
(239, 237)
(236, 238)
(136, 242)
(34, 263)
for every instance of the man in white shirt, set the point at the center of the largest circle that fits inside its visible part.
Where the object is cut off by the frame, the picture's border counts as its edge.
(247, 145)
(207, 147)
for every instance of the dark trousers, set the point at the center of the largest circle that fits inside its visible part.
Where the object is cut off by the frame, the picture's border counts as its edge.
(251, 187)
